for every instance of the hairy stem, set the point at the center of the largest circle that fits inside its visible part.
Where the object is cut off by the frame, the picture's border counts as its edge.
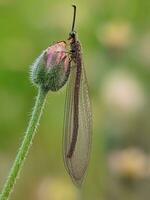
(25, 146)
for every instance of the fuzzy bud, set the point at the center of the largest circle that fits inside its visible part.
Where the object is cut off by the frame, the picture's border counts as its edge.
(52, 67)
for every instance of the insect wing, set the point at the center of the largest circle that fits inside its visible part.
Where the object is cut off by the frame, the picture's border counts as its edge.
(77, 164)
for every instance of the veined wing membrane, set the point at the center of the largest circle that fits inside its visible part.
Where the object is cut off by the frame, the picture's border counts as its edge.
(77, 163)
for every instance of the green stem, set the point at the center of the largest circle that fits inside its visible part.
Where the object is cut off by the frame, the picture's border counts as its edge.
(25, 146)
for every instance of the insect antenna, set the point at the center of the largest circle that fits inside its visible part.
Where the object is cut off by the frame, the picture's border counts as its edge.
(74, 18)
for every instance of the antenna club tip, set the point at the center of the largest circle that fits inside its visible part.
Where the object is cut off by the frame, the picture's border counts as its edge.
(74, 6)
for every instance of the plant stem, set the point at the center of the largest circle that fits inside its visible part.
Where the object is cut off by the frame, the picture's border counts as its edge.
(25, 146)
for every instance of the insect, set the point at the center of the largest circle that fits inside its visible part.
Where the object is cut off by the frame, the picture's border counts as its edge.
(78, 115)
(59, 64)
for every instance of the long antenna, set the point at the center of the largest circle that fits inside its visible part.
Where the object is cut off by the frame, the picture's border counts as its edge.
(74, 18)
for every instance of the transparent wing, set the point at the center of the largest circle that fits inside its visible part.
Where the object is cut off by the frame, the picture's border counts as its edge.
(77, 164)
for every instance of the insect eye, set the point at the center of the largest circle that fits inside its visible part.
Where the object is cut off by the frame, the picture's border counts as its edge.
(72, 34)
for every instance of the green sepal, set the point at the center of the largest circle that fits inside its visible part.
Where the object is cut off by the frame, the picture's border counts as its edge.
(48, 78)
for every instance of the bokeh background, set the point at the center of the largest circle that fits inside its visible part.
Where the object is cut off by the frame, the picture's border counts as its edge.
(115, 36)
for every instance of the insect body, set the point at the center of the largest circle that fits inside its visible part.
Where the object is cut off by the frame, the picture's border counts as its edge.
(78, 118)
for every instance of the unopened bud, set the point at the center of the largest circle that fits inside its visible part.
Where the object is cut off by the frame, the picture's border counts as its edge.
(52, 67)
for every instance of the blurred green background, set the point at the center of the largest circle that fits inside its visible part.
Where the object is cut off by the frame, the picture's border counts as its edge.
(115, 37)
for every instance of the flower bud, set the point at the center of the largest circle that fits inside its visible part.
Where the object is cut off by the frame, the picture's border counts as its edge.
(52, 67)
